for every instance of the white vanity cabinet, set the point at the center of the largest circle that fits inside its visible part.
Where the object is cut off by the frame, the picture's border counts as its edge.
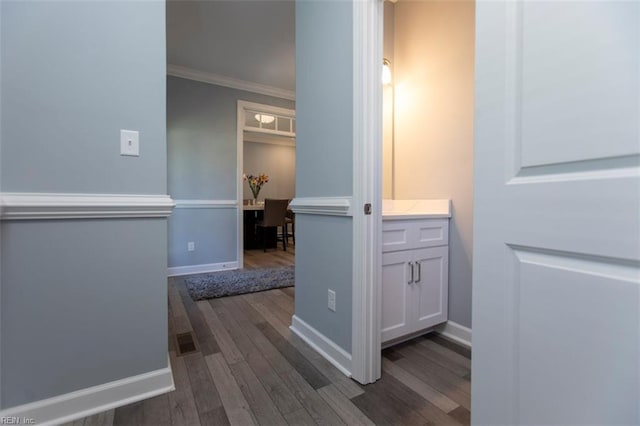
(415, 265)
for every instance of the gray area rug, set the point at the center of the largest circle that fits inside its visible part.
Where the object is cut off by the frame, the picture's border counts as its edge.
(228, 283)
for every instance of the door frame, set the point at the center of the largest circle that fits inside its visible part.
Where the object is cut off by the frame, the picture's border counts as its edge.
(367, 188)
(242, 107)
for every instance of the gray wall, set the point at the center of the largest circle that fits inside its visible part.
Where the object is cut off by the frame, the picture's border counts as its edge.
(202, 153)
(324, 93)
(213, 231)
(83, 301)
(71, 81)
(324, 34)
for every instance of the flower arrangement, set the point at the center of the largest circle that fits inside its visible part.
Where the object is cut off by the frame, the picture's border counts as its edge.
(255, 183)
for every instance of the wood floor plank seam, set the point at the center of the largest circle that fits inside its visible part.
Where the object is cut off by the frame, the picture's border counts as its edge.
(206, 342)
(266, 307)
(233, 401)
(225, 342)
(441, 360)
(205, 394)
(310, 373)
(317, 408)
(270, 353)
(259, 400)
(443, 341)
(438, 373)
(344, 384)
(266, 371)
(420, 387)
(451, 355)
(342, 405)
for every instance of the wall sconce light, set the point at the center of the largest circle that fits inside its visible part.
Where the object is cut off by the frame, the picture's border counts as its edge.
(265, 118)
(386, 71)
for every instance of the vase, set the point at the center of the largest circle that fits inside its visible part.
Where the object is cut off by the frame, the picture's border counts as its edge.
(255, 193)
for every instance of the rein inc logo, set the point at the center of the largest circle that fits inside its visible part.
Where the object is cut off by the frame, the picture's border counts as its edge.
(15, 420)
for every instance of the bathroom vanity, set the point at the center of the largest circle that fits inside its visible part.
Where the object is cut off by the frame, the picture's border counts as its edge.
(415, 263)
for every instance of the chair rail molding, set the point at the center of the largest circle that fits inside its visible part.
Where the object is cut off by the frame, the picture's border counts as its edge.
(38, 206)
(206, 204)
(326, 206)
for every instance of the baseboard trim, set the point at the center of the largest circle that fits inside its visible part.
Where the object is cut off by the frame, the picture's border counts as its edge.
(456, 332)
(326, 206)
(93, 400)
(53, 206)
(337, 356)
(177, 271)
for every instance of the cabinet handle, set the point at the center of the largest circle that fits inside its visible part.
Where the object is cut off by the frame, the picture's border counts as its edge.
(419, 272)
(411, 266)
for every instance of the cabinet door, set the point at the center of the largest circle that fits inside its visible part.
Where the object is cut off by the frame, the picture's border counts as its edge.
(396, 313)
(430, 289)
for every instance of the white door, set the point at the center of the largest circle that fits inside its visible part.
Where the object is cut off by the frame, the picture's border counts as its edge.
(556, 284)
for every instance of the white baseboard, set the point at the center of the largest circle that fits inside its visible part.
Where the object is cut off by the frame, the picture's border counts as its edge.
(201, 269)
(337, 356)
(456, 332)
(96, 399)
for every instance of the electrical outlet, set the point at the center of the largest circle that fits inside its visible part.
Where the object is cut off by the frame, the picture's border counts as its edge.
(191, 246)
(332, 301)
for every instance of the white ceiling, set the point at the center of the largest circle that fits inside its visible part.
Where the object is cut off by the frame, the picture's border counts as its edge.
(247, 40)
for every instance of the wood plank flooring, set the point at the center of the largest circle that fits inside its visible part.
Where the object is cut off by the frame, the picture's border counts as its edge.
(245, 367)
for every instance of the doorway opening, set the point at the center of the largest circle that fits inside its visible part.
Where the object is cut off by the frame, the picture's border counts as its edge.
(426, 181)
(266, 142)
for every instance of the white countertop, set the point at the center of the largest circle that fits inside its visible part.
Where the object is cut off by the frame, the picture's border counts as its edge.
(415, 209)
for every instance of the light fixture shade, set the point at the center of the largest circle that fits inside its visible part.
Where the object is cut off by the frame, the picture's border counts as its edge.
(265, 118)
(386, 72)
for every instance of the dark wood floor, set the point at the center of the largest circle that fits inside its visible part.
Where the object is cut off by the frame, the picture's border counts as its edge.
(236, 362)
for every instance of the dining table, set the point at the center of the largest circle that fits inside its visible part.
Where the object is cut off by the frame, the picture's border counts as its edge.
(253, 213)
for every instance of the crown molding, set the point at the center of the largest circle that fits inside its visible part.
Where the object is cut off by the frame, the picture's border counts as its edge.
(31, 205)
(234, 83)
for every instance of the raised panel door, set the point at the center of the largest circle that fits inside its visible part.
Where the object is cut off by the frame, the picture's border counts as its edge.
(556, 257)
(396, 311)
(430, 286)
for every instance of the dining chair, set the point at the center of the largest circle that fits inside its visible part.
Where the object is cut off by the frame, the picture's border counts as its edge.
(290, 219)
(275, 212)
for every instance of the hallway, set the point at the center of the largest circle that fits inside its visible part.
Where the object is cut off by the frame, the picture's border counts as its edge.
(235, 361)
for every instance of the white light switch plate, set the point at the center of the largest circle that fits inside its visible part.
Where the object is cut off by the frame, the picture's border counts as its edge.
(129, 143)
